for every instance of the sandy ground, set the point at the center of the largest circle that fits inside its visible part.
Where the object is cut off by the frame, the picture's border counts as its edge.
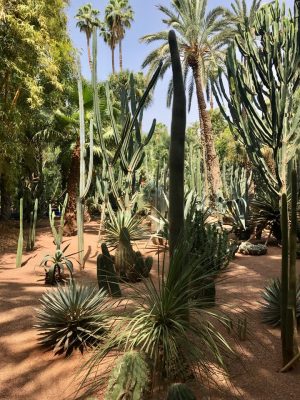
(29, 373)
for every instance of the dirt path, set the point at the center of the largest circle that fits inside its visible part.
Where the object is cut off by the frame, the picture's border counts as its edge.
(28, 373)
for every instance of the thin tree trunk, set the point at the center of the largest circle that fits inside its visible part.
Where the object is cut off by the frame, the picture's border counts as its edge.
(120, 55)
(113, 60)
(89, 53)
(72, 190)
(211, 158)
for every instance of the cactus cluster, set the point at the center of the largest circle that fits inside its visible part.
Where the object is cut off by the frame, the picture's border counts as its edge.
(262, 87)
(106, 274)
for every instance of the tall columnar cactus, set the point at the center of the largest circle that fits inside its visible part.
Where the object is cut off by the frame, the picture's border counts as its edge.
(84, 182)
(289, 275)
(262, 87)
(176, 155)
(32, 225)
(20, 240)
(58, 232)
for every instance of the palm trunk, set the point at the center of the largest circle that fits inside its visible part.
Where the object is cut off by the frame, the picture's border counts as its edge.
(89, 53)
(113, 60)
(211, 158)
(120, 55)
(72, 190)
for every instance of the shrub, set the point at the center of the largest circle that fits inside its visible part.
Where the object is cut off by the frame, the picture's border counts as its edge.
(71, 317)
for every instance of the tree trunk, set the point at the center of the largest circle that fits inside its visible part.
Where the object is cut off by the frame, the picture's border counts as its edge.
(211, 158)
(89, 53)
(72, 190)
(5, 197)
(113, 60)
(120, 55)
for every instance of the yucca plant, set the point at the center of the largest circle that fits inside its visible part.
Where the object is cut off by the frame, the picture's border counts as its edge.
(120, 220)
(71, 317)
(271, 303)
(55, 267)
(169, 323)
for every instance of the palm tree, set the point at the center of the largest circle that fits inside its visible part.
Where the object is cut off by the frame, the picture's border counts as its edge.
(87, 19)
(109, 37)
(118, 16)
(239, 15)
(202, 37)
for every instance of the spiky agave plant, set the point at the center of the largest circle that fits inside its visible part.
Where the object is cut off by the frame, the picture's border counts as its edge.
(71, 317)
(271, 303)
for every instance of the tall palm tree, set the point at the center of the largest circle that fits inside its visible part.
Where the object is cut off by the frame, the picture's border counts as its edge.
(202, 38)
(109, 37)
(118, 16)
(87, 19)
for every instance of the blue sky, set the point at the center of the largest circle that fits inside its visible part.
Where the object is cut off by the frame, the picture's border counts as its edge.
(147, 20)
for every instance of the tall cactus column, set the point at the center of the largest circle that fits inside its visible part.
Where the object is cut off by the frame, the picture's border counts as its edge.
(176, 155)
(84, 182)
(290, 349)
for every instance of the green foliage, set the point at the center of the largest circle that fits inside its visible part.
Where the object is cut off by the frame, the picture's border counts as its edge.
(271, 297)
(265, 214)
(179, 391)
(106, 274)
(71, 317)
(129, 378)
(55, 266)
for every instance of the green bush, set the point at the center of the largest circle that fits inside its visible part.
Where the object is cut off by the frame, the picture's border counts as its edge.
(71, 317)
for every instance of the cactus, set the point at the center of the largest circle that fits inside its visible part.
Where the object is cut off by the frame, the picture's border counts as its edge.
(20, 240)
(106, 275)
(129, 378)
(58, 233)
(32, 225)
(262, 89)
(288, 275)
(143, 266)
(179, 391)
(176, 154)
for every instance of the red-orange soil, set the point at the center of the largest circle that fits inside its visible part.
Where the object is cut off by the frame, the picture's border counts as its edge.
(29, 373)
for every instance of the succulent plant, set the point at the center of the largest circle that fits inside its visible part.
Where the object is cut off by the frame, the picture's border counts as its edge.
(129, 378)
(253, 249)
(271, 303)
(106, 274)
(71, 317)
(55, 267)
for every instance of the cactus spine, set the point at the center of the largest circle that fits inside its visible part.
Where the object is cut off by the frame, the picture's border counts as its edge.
(288, 275)
(176, 155)
(20, 240)
(106, 275)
